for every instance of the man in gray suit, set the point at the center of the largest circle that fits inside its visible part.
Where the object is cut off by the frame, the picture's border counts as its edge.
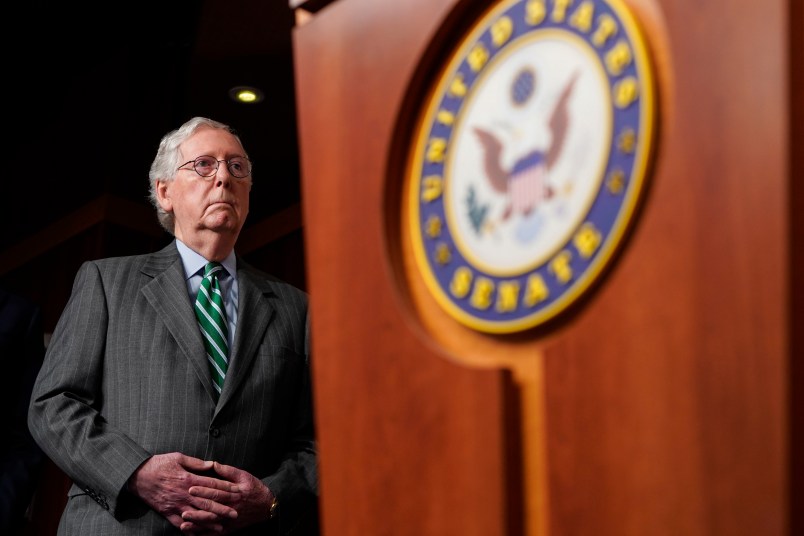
(125, 402)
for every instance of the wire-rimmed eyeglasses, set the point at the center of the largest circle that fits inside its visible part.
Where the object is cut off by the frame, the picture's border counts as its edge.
(207, 166)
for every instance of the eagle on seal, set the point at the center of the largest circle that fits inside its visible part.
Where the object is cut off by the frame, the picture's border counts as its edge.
(525, 183)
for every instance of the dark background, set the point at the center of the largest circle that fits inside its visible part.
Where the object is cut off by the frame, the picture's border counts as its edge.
(91, 88)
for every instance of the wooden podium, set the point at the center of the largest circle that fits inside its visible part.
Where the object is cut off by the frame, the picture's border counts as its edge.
(663, 403)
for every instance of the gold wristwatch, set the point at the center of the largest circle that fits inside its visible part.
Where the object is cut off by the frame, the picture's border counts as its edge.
(273, 510)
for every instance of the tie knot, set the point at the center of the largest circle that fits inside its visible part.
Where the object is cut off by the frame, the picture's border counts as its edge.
(213, 269)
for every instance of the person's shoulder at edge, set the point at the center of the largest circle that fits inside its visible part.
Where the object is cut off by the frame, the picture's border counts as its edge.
(138, 258)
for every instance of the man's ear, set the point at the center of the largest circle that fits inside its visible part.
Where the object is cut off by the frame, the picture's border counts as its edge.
(163, 195)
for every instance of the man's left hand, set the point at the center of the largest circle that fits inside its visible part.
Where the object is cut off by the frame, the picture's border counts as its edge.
(252, 503)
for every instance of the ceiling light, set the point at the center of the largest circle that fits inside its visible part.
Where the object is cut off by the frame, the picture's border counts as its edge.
(246, 94)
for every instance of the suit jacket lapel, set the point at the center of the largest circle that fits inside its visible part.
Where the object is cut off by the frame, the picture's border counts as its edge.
(167, 294)
(253, 316)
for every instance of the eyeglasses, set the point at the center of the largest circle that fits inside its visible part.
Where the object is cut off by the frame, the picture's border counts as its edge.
(207, 166)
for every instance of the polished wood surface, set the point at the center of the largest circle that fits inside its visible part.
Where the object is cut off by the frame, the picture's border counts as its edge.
(662, 405)
(794, 37)
(667, 397)
(411, 442)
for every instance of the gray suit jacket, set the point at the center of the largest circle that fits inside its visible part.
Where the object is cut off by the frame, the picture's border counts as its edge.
(125, 377)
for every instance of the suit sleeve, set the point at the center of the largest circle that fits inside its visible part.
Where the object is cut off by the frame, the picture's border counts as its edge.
(63, 415)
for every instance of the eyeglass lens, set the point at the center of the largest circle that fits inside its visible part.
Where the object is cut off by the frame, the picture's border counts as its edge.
(206, 166)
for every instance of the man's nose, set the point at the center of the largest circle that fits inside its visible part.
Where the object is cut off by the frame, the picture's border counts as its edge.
(222, 175)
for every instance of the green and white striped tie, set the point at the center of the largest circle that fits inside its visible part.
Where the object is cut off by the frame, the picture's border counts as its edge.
(211, 316)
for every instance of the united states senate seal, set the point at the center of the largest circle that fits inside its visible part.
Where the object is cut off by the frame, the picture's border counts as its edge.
(528, 159)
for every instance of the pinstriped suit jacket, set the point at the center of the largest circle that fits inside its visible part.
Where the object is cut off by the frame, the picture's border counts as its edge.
(126, 376)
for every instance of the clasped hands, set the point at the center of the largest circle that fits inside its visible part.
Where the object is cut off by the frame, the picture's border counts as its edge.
(200, 496)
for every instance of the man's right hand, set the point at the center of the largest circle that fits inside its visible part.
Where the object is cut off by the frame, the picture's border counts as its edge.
(163, 482)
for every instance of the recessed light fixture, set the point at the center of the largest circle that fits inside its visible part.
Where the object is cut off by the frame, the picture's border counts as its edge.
(246, 94)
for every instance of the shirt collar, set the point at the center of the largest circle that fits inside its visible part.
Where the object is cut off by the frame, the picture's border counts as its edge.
(193, 262)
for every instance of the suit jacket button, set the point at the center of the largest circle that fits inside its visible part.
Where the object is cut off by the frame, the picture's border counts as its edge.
(215, 432)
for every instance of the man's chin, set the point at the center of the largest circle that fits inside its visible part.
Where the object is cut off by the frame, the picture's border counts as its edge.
(222, 223)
